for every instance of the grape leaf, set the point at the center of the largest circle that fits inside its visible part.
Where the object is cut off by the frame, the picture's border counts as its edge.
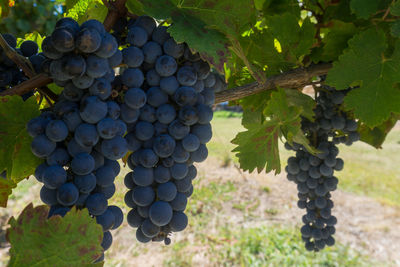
(395, 29)
(78, 9)
(335, 41)
(295, 41)
(72, 240)
(303, 101)
(257, 148)
(364, 63)
(210, 43)
(395, 8)
(135, 7)
(377, 135)
(364, 8)
(6, 186)
(16, 157)
(282, 6)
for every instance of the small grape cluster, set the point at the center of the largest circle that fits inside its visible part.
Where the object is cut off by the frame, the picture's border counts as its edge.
(167, 108)
(82, 136)
(314, 174)
(10, 74)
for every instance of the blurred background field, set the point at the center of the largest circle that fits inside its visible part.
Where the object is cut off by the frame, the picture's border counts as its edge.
(242, 219)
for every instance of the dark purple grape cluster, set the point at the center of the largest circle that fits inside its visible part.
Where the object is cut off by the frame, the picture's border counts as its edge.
(10, 74)
(168, 109)
(82, 136)
(314, 173)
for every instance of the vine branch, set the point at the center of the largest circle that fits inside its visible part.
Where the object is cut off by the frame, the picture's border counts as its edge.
(294, 79)
(116, 9)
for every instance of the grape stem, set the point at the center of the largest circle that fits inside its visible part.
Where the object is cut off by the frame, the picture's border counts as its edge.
(296, 78)
(116, 9)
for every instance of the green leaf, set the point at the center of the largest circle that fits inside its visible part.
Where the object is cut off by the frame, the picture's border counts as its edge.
(6, 186)
(364, 63)
(257, 148)
(88, 9)
(135, 7)
(295, 41)
(395, 29)
(210, 43)
(335, 41)
(282, 6)
(302, 101)
(395, 8)
(15, 143)
(364, 8)
(79, 9)
(377, 135)
(72, 240)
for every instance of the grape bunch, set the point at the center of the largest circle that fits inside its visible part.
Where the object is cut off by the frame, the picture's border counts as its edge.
(10, 74)
(167, 108)
(314, 174)
(82, 136)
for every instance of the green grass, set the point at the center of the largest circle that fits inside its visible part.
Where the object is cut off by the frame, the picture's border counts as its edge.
(367, 171)
(280, 246)
(227, 114)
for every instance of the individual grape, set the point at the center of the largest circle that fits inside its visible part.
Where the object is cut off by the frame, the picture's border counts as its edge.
(151, 51)
(179, 171)
(101, 88)
(29, 48)
(137, 36)
(169, 84)
(173, 49)
(152, 78)
(148, 158)
(143, 196)
(88, 40)
(144, 211)
(72, 119)
(149, 229)
(209, 96)
(166, 191)
(114, 148)
(186, 76)
(160, 35)
(107, 47)
(59, 156)
(133, 77)
(141, 237)
(38, 172)
(135, 98)
(82, 164)
(56, 130)
(74, 65)
(67, 194)
(180, 155)
(179, 221)
(116, 59)
(86, 135)
(118, 216)
(185, 96)
(165, 113)
(146, 22)
(203, 132)
(96, 204)
(161, 174)
(188, 115)
(54, 176)
(85, 183)
(178, 130)
(63, 40)
(132, 56)
(179, 202)
(107, 240)
(191, 143)
(129, 115)
(93, 109)
(83, 82)
(148, 113)
(160, 213)
(144, 130)
(202, 68)
(37, 126)
(183, 185)
(49, 49)
(143, 176)
(166, 66)
(204, 113)
(164, 145)
(105, 176)
(200, 154)
(96, 67)
(48, 196)
(106, 220)
(156, 97)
